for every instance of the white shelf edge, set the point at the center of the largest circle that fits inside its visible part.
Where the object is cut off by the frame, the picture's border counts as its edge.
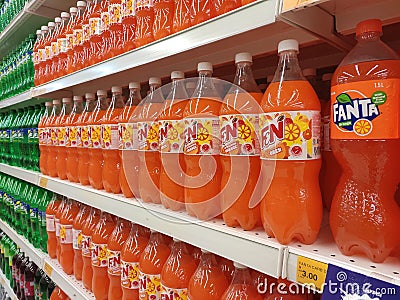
(26, 175)
(7, 286)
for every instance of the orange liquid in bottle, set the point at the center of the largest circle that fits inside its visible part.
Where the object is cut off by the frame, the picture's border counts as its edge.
(47, 76)
(182, 19)
(77, 227)
(200, 11)
(144, 23)
(83, 55)
(75, 55)
(163, 18)
(69, 59)
(219, 7)
(51, 211)
(116, 31)
(44, 138)
(128, 24)
(57, 218)
(58, 294)
(96, 28)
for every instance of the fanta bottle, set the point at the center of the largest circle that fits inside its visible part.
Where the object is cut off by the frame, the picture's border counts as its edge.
(87, 232)
(77, 227)
(290, 134)
(244, 2)
(240, 149)
(49, 55)
(53, 138)
(110, 141)
(200, 11)
(84, 54)
(130, 256)
(36, 55)
(149, 155)
(365, 89)
(128, 142)
(61, 161)
(128, 24)
(82, 139)
(94, 143)
(115, 243)
(58, 294)
(116, 32)
(203, 183)
(219, 7)
(51, 211)
(57, 218)
(42, 55)
(62, 46)
(242, 285)
(76, 47)
(95, 26)
(177, 271)
(66, 237)
(151, 263)
(144, 22)
(54, 48)
(171, 128)
(43, 133)
(208, 281)
(101, 234)
(163, 18)
(181, 19)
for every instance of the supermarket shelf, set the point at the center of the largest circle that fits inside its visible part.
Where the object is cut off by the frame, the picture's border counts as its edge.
(26, 175)
(6, 284)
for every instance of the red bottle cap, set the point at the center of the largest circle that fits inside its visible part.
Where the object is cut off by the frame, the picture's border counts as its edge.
(371, 25)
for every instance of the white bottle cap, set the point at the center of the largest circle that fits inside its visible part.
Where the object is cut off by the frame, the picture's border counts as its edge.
(239, 266)
(270, 78)
(101, 93)
(81, 4)
(116, 89)
(204, 66)
(310, 72)
(287, 45)
(327, 76)
(90, 96)
(134, 85)
(78, 98)
(154, 81)
(177, 75)
(58, 20)
(56, 102)
(73, 10)
(243, 57)
(66, 100)
(65, 15)
(38, 32)
(44, 28)
(51, 24)
(204, 251)
(48, 103)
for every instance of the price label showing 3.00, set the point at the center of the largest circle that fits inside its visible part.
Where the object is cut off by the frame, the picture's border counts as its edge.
(311, 272)
(48, 269)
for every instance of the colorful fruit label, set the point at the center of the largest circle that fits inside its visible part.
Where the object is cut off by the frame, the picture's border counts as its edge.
(172, 136)
(105, 21)
(65, 234)
(95, 26)
(366, 110)
(85, 32)
(62, 45)
(77, 239)
(114, 11)
(42, 136)
(54, 48)
(42, 55)
(291, 135)
(202, 136)
(57, 222)
(99, 255)
(173, 294)
(114, 262)
(127, 132)
(109, 136)
(50, 224)
(54, 136)
(148, 136)
(62, 132)
(70, 41)
(84, 134)
(78, 33)
(127, 8)
(72, 136)
(130, 275)
(149, 286)
(48, 51)
(67, 141)
(143, 3)
(239, 135)
(94, 136)
(29, 289)
(86, 245)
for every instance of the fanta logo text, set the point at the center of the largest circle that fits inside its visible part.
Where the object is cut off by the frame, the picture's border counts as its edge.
(357, 109)
(273, 132)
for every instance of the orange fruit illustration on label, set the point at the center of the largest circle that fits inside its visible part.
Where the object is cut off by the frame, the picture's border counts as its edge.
(172, 133)
(151, 287)
(152, 134)
(126, 135)
(244, 131)
(133, 274)
(103, 253)
(362, 127)
(202, 134)
(79, 239)
(292, 132)
(106, 134)
(307, 134)
(72, 134)
(84, 134)
(63, 232)
(95, 134)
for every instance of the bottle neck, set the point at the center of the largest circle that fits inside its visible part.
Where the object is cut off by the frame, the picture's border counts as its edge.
(78, 107)
(117, 101)
(101, 103)
(244, 77)
(90, 105)
(288, 67)
(56, 110)
(134, 97)
(66, 109)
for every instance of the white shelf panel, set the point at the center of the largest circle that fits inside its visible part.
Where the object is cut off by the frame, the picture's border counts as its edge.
(6, 284)
(26, 175)
(17, 99)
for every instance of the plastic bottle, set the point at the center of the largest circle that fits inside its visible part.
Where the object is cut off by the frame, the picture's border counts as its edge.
(311, 75)
(43, 285)
(240, 149)
(77, 226)
(227, 267)
(208, 281)
(95, 25)
(43, 203)
(21, 272)
(50, 288)
(87, 231)
(202, 142)
(57, 218)
(29, 275)
(163, 18)
(116, 32)
(151, 263)
(36, 55)
(115, 244)
(365, 142)
(51, 211)
(55, 47)
(290, 134)
(128, 24)
(182, 19)
(130, 256)
(144, 22)
(62, 46)
(177, 271)
(200, 11)
(71, 140)
(16, 265)
(58, 294)
(75, 47)
(105, 30)
(127, 129)
(67, 60)
(47, 74)
(219, 7)
(171, 136)
(83, 55)
(149, 157)
(53, 138)
(36, 284)
(61, 149)
(96, 162)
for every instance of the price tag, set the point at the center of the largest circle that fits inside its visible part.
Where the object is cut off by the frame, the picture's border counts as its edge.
(311, 272)
(294, 4)
(43, 182)
(47, 269)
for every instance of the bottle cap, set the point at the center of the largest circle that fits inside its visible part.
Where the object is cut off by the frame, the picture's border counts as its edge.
(64, 15)
(51, 24)
(327, 76)
(310, 72)
(48, 103)
(66, 100)
(134, 85)
(81, 4)
(243, 57)
(287, 45)
(101, 93)
(90, 96)
(73, 10)
(38, 32)
(44, 28)
(56, 102)
(371, 25)
(270, 78)
(177, 75)
(116, 89)
(155, 80)
(239, 266)
(204, 66)
(78, 98)
(57, 20)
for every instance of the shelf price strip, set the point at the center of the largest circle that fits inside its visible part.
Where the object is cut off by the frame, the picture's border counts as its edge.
(47, 269)
(311, 273)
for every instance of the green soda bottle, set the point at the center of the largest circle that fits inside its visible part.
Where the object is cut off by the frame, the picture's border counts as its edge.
(22, 187)
(26, 213)
(13, 250)
(2, 236)
(34, 217)
(9, 151)
(3, 118)
(14, 195)
(44, 285)
(6, 195)
(6, 260)
(33, 142)
(24, 153)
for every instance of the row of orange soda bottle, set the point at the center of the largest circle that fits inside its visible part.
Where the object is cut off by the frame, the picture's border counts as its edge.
(117, 259)
(100, 29)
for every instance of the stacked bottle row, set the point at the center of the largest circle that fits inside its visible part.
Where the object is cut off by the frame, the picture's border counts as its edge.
(8, 10)
(19, 138)
(23, 207)
(16, 70)
(8, 250)
(98, 30)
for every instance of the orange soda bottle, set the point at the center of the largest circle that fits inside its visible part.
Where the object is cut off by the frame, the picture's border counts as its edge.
(71, 133)
(95, 26)
(163, 18)
(66, 237)
(76, 46)
(77, 227)
(101, 234)
(49, 55)
(105, 30)
(68, 59)
(87, 232)
(149, 155)
(364, 140)
(227, 267)
(242, 285)
(240, 148)
(57, 218)
(130, 256)
(208, 281)
(83, 54)
(36, 55)
(181, 19)
(290, 135)
(144, 22)
(128, 24)
(219, 7)
(203, 184)
(116, 32)
(58, 294)
(42, 55)
(115, 243)
(82, 139)
(62, 46)
(94, 141)
(51, 211)
(200, 11)
(43, 134)
(177, 271)
(53, 138)
(128, 142)
(151, 263)
(54, 47)
(61, 161)
(110, 141)
(172, 126)
(66, 38)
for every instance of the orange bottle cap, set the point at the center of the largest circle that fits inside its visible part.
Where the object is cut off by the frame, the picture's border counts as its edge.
(371, 25)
